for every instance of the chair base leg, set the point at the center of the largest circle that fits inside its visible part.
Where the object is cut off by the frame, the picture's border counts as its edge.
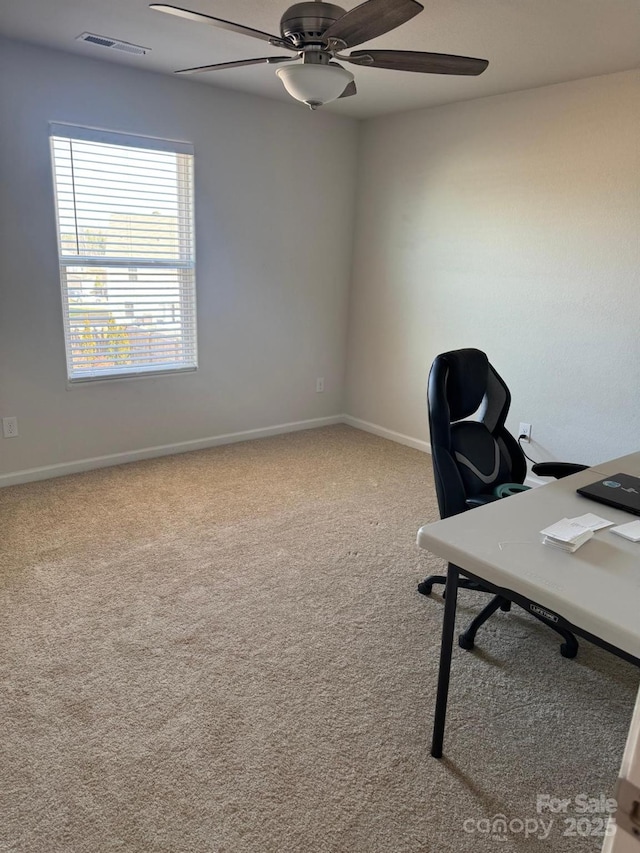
(466, 640)
(568, 649)
(425, 587)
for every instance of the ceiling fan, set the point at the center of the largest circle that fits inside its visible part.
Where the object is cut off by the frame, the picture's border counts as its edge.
(317, 32)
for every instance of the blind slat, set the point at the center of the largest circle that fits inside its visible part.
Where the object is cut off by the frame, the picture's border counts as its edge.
(143, 265)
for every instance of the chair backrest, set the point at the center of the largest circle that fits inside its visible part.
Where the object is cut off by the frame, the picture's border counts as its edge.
(471, 450)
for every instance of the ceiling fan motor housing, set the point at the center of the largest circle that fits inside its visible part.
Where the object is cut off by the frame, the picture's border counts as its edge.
(306, 22)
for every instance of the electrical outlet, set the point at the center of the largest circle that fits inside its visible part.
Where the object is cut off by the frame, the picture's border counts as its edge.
(9, 427)
(320, 384)
(525, 431)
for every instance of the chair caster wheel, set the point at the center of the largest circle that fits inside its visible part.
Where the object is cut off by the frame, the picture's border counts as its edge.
(425, 588)
(505, 606)
(465, 643)
(568, 651)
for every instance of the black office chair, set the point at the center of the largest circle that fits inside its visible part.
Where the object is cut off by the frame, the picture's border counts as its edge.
(475, 458)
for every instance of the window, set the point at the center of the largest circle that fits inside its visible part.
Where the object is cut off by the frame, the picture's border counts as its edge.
(126, 248)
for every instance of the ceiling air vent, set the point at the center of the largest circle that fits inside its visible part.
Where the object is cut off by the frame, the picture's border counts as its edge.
(116, 44)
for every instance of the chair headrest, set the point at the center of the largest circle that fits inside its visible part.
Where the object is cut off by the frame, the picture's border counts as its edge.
(467, 377)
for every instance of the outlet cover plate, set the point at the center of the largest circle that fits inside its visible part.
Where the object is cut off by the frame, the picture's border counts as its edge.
(9, 427)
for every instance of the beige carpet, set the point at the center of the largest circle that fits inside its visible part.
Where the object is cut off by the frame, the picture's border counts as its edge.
(224, 651)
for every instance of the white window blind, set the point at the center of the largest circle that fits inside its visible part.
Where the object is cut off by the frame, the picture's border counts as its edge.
(127, 255)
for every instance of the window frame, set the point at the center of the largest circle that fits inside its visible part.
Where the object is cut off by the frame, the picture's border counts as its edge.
(184, 265)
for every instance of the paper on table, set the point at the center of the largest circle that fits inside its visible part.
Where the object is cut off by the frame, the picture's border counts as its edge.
(566, 530)
(631, 530)
(570, 547)
(592, 521)
(566, 534)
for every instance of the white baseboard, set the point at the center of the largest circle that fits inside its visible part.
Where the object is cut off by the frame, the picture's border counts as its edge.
(47, 472)
(383, 432)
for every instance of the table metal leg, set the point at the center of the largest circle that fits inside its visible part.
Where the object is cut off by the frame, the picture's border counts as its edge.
(446, 648)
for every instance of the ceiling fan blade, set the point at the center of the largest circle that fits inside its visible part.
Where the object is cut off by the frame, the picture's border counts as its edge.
(269, 60)
(350, 90)
(216, 22)
(371, 19)
(414, 60)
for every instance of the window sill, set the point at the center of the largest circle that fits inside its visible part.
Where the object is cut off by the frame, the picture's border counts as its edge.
(72, 384)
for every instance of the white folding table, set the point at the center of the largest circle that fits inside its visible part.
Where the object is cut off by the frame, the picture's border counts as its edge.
(594, 592)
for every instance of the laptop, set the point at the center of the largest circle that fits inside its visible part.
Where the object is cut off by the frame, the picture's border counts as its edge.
(619, 490)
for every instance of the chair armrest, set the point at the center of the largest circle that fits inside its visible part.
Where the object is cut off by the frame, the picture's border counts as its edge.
(557, 469)
(481, 500)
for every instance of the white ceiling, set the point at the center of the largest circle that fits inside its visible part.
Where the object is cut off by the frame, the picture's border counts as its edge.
(528, 43)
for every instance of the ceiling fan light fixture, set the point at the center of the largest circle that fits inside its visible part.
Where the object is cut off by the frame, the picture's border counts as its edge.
(313, 84)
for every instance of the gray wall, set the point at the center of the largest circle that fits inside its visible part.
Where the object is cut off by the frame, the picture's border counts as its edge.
(510, 224)
(272, 310)
(507, 223)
